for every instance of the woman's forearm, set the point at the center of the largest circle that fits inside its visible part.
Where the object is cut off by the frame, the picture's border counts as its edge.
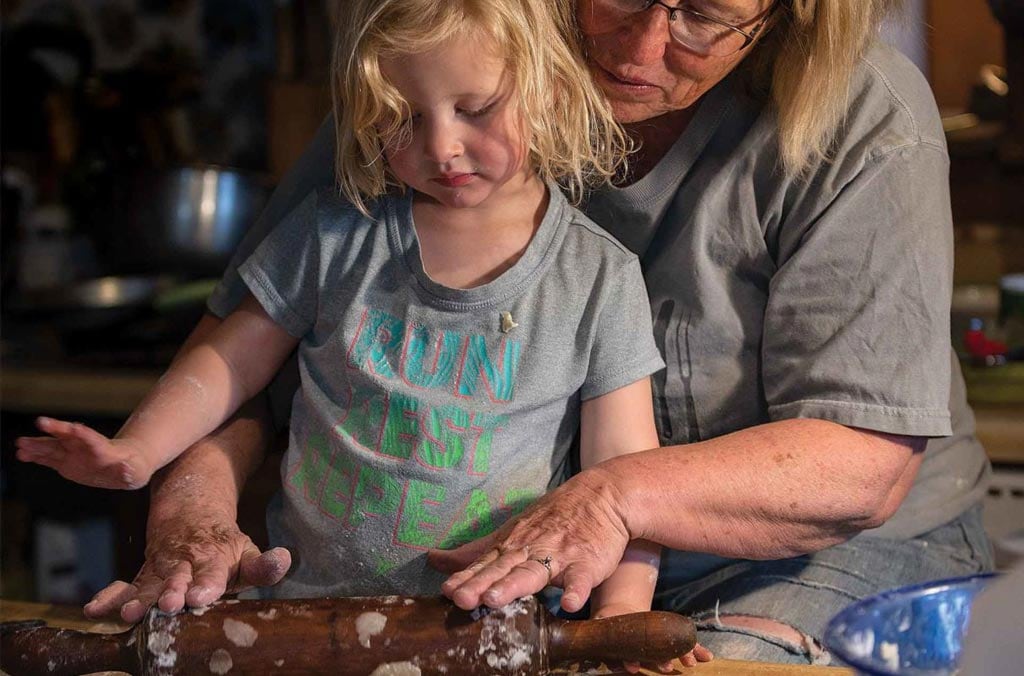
(776, 490)
(208, 478)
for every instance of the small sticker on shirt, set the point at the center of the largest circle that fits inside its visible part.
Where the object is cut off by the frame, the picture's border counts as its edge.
(507, 323)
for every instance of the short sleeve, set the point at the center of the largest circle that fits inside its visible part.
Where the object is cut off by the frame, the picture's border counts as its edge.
(313, 170)
(283, 274)
(623, 350)
(857, 322)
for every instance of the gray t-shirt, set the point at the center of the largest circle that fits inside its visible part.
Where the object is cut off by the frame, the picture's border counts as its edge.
(825, 297)
(428, 415)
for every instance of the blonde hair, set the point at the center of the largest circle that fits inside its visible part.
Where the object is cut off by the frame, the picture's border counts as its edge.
(808, 63)
(570, 132)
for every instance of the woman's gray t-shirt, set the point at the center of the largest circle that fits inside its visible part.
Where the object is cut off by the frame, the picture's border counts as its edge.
(821, 297)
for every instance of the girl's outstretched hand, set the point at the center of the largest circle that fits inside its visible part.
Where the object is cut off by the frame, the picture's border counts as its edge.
(572, 537)
(83, 455)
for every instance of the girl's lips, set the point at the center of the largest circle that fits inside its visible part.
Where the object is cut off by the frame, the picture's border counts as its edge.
(454, 180)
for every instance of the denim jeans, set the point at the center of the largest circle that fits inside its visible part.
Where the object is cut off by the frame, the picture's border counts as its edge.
(806, 591)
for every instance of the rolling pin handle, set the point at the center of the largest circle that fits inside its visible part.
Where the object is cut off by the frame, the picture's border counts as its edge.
(651, 638)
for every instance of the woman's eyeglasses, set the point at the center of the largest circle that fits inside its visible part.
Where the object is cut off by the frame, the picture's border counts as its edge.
(695, 30)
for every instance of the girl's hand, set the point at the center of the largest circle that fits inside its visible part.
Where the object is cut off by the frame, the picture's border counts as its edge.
(83, 455)
(577, 529)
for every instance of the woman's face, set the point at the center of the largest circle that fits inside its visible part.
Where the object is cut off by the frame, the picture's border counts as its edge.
(642, 70)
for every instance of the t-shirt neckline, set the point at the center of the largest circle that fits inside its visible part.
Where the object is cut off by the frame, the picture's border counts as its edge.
(405, 243)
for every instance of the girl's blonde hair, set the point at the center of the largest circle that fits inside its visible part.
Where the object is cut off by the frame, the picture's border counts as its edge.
(571, 134)
(808, 63)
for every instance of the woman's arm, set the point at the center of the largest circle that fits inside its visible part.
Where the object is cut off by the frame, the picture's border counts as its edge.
(772, 491)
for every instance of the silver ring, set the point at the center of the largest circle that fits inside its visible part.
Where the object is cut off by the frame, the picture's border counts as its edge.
(546, 562)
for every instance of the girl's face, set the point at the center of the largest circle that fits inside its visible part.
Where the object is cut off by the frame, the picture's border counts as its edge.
(465, 144)
(642, 70)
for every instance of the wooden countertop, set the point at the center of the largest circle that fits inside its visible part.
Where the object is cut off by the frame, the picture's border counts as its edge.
(71, 617)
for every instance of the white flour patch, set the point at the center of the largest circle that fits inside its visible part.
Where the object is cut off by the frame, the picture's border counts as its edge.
(267, 614)
(200, 611)
(368, 625)
(890, 652)
(409, 602)
(501, 644)
(220, 661)
(278, 663)
(241, 634)
(161, 639)
(396, 669)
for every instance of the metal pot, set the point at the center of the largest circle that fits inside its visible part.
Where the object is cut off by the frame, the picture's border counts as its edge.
(90, 304)
(184, 221)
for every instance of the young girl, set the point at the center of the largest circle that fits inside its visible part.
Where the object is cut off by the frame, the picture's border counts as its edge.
(457, 321)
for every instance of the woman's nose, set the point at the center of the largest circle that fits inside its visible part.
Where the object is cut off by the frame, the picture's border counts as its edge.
(442, 142)
(646, 37)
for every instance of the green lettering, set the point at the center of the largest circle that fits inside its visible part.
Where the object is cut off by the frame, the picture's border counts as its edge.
(377, 494)
(475, 521)
(417, 525)
(484, 424)
(442, 445)
(337, 493)
(310, 471)
(401, 432)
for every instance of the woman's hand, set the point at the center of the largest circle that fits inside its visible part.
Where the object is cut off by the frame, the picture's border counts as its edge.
(85, 456)
(579, 526)
(192, 559)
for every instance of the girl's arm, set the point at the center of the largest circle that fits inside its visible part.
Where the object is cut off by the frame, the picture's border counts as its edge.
(199, 391)
(615, 424)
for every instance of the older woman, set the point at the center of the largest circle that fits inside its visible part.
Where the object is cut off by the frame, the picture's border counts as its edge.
(789, 202)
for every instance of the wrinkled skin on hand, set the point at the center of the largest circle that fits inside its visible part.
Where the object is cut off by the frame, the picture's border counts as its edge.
(579, 525)
(191, 560)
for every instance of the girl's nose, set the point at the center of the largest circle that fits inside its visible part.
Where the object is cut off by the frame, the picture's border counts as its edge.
(442, 142)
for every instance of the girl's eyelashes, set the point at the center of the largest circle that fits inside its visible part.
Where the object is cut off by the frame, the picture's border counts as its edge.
(477, 112)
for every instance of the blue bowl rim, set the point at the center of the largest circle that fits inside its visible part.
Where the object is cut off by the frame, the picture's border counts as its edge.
(858, 607)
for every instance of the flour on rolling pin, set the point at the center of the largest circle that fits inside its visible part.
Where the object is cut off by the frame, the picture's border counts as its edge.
(369, 624)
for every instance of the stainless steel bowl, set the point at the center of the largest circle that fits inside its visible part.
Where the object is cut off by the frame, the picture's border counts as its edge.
(185, 221)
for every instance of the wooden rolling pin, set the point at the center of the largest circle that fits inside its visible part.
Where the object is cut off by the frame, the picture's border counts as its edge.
(381, 636)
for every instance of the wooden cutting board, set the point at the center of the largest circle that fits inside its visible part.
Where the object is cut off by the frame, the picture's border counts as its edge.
(71, 617)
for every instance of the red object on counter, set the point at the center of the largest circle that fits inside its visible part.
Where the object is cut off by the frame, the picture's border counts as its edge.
(980, 345)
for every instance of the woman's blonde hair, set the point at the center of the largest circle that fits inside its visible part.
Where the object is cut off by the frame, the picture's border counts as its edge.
(570, 132)
(808, 63)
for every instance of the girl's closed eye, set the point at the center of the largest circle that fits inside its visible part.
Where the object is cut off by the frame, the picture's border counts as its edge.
(477, 112)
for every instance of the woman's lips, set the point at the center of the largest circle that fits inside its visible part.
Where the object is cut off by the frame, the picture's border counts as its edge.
(454, 180)
(634, 84)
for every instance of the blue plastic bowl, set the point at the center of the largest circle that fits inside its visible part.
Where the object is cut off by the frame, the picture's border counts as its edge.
(910, 631)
